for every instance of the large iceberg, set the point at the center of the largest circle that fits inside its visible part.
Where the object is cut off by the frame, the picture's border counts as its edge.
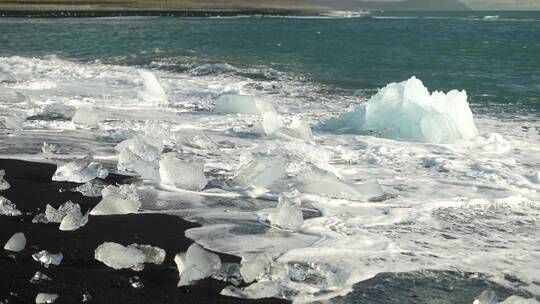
(182, 174)
(80, 170)
(152, 90)
(407, 111)
(132, 256)
(123, 199)
(242, 104)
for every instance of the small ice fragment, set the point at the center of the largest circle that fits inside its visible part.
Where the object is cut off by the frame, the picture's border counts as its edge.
(52, 215)
(73, 221)
(16, 243)
(182, 174)
(152, 90)
(50, 149)
(199, 264)
(242, 104)
(534, 178)
(288, 215)
(86, 297)
(260, 170)
(39, 277)
(133, 256)
(408, 111)
(519, 300)
(4, 185)
(252, 267)
(487, 296)
(91, 188)
(123, 199)
(46, 258)
(299, 129)
(46, 298)
(56, 111)
(229, 272)
(270, 124)
(86, 116)
(135, 282)
(13, 122)
(80, 170)
(8, 208)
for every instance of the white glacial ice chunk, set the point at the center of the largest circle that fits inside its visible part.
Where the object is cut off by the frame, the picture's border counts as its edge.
(407, 111)
(123, 199)
(87, 116)
(199, 264)
(54, 111)
(270, 124)
(152, 90)
(73, 221)
(91, 188)
(486, 297)
(140, 154)
(80, 170)
(8, 208)
(242, 104)
(46, 258)
(132, 256)
(252, 267)
(12, 122)
(299, 129)
(260, 170)
(16, 243)
(180, 261)
(52, 215)
(288, 214)
(320, 182)
(45, 298)
(4, 185)
(50, 149)
(534, 178)
(182, 174)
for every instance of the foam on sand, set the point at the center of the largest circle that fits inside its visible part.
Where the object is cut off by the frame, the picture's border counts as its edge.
(407, 111)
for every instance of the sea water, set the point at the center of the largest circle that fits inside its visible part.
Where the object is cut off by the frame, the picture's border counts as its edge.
(386, 216)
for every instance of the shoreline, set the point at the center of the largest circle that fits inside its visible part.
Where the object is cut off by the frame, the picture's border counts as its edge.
(79, 272)
(83, 13)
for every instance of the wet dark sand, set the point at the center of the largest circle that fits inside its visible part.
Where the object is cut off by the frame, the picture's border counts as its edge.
(32, 188)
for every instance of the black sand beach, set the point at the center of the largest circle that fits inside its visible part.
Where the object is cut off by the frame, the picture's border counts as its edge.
(32, 188)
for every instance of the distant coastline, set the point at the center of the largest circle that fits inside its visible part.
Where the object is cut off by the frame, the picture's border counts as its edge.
(61, 13)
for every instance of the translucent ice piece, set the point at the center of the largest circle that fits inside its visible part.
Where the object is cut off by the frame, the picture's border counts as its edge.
(182, 174)
(87, 116)
(45, 298)
(288, 215)
(91, 188)
(140, 156)
(8, 208)
(80, 170)
(252, 267)
(152, 90)
(46, 258)
(16, 243)
(486, 297)
(260, 170)
(133, 256)
(199, 264)
(242, 104)
(123, 199)
(4, 185)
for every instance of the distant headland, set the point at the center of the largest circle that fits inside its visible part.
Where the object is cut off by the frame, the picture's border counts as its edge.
(99, 8)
